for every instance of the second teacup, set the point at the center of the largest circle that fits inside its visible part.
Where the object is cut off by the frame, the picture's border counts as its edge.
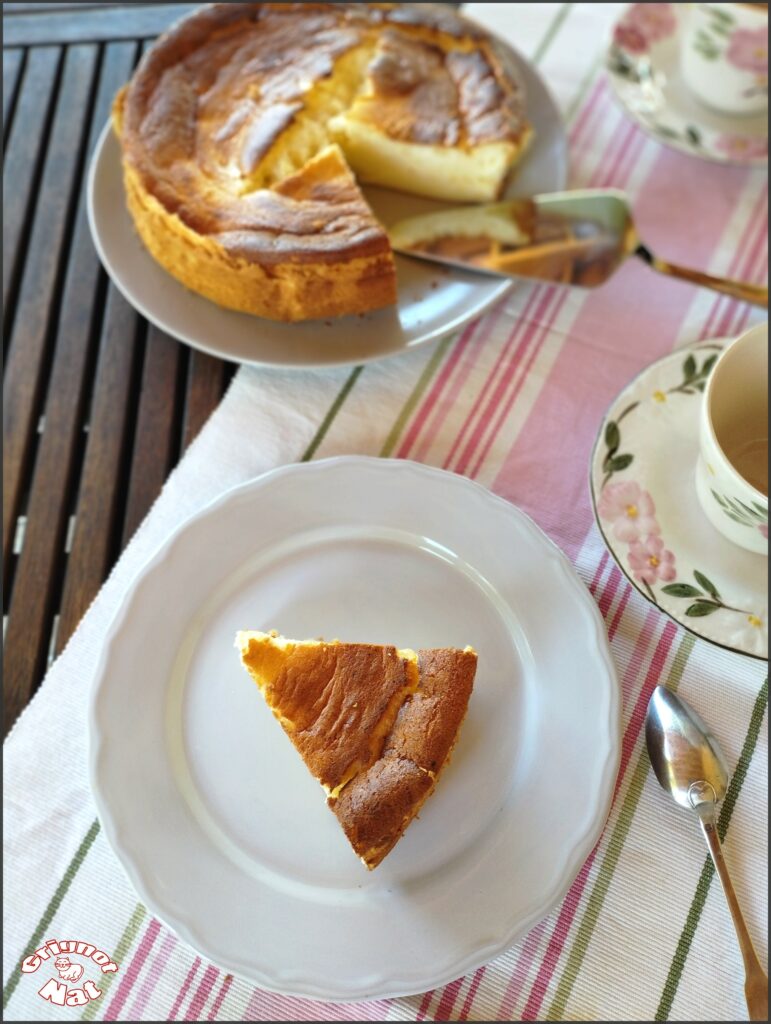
(724, 56)
(732, 472)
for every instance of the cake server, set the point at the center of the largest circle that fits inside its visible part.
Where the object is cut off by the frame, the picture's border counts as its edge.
(690, 766)
(574, 238)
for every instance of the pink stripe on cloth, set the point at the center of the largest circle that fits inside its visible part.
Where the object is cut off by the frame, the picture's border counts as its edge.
(489, 397)
(599, 94)
(599, 571)
(543, 333)
(424, 1005)
(202, 993)
(643, 331)
(128, 980)
(502, 355)
(620, 611)
(446, 1003)
(468, 1002)
(220, 997)
(745, 271)
(154, 972)
(572, 901)
(610, 592)
(733, 267)
(445, 374)
(521, 968)
(444, 402)
(185, 988)
(271, 1006)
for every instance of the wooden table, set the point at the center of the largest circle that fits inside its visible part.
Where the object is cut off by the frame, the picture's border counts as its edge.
(98, 404)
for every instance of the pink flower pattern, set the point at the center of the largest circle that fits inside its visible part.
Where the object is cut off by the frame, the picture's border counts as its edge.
(644, 24)
(630, 509)
(630, 38)
(748, 50)
(651, 561)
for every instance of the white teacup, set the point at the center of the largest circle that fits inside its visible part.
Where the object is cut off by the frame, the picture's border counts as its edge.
(724, 56)
(732, 471)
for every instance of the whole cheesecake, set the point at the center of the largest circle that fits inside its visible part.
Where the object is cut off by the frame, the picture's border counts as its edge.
(245, 127)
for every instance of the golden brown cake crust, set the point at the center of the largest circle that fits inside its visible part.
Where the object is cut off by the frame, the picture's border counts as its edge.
(423, 94)
(324, 697)
(376, 807)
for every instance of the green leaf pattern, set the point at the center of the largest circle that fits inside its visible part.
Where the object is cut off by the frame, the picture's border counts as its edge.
(754, 516)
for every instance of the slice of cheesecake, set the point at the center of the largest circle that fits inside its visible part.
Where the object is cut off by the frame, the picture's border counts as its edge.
(374, 724)
(447, 124)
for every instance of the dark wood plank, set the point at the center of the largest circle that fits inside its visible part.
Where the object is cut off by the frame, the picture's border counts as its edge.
(13, 61)
(102, 486)
(92, 24)
(205, 382)
(41, 561)
(27, 360)
(46, 8)
(156, 437)
(26, 147)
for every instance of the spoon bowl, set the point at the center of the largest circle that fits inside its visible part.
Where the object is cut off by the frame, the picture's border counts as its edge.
(684, 754)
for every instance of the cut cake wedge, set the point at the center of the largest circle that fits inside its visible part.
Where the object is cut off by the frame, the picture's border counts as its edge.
(374, 724)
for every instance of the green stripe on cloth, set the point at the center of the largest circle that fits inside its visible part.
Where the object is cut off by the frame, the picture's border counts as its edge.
(124, 944)
(708, 871)
(583, 88)
(551, 32)
(417, 393)
(53, 906)
(616, 842)
(334, 409)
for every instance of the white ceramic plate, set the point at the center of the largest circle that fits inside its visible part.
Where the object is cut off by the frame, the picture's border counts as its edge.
(654, 447)
(432, 301)
(220, 826)
(643, 65)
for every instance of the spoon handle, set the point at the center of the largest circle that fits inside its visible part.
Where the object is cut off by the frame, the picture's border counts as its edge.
(756, 982)
(742, 290)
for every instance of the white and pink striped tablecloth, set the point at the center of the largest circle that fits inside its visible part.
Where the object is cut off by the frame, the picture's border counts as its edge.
(514, 402)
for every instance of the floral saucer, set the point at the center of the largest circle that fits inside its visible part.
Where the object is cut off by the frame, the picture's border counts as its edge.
(643, 482)
(643, 64)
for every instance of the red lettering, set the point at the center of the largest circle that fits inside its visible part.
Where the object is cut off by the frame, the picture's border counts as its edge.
(53, 992)
(30, 964)
(91, 990)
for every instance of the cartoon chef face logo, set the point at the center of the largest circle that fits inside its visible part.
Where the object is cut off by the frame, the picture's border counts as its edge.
(67, 970)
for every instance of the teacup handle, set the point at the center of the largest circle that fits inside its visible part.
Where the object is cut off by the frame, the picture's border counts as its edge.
(742, 290)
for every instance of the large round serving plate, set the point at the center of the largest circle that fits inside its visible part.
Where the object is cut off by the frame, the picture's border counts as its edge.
(221, 828)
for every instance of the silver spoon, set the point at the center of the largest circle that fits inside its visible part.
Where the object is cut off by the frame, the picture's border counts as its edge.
(691, 768)
(575, 238)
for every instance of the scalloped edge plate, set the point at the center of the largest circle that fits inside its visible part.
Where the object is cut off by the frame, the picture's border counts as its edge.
(500, 841)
